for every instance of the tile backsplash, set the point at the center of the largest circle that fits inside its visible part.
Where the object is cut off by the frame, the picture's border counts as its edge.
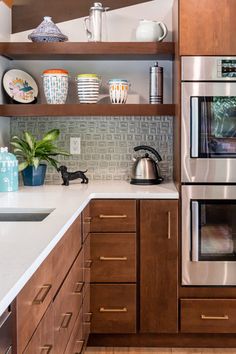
(106, 143)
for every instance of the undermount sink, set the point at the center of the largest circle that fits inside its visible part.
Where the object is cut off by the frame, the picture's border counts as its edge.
(23, 214)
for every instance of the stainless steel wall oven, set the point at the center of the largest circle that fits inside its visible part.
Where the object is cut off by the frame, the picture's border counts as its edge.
(208, 119)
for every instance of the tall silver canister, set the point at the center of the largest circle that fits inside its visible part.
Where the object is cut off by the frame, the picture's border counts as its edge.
(156, 84)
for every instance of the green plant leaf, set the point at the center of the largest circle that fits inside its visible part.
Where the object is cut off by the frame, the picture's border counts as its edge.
(51, 135)
(35, 162)
(52, 161)
(23, 165)
(29, 139)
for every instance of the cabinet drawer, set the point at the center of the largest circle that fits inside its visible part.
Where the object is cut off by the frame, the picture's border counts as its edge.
(67, 305)
(86, 222)
(76, 341)
(87, 260)
(87, 315)
(208, 315)
(113, 257)
(66, 252)
(114, 308)
(6, 331)
(113, 215)
(42, 340)
(32, 302)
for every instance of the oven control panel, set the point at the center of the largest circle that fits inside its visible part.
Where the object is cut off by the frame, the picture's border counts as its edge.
(226, 68)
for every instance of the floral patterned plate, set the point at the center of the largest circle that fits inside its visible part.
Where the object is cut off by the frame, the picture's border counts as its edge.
(20, 86)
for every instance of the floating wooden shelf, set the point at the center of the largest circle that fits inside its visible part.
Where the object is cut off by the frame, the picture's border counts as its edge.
(87, 51)
(42, 110)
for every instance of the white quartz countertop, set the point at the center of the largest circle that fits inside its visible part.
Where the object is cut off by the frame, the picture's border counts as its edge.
(25, 245)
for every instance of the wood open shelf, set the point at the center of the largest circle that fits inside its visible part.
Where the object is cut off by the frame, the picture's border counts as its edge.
(37, 110)
(88, 51)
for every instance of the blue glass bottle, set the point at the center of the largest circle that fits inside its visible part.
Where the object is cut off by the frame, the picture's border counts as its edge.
(8, 171)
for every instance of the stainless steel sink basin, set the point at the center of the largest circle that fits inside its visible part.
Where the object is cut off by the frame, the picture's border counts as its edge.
(23, 214)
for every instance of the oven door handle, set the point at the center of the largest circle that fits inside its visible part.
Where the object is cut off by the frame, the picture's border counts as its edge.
(194, 126)
(195, 232)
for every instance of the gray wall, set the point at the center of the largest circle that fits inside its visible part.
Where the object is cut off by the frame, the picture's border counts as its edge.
(106, 142)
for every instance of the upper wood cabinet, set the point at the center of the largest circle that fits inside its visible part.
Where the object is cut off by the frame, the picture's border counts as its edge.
(158, 266)
(207, 27)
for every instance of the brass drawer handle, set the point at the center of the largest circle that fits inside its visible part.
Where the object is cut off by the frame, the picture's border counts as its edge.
(225, 317)
(9, 350)
(123, 309)
(46, 349)
(81, 343)
(113, 258)
(87, 220)
(88, 263)
(42, 294)
(168, 227)
(102, 216)
(88, 317)
(79, 287)
(66, 320)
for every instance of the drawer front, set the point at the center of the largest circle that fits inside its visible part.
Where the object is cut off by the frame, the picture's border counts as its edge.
(113, 215)
(113, 257)
(42, 341)
(114, 308)
(86, 222)
(65, 253)
(87, 260)
(6, 332)
(76, 341)
(208, 315)
(32, 302)
(67, 305)
(87, 315)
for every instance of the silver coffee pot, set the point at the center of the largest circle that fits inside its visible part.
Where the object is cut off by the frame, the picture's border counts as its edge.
(94, 23)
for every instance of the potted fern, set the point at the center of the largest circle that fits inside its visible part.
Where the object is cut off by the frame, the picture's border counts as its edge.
(32, 153)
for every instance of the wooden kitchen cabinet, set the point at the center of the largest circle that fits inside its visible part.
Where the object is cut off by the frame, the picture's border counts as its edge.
(158, 266)
(207, 27)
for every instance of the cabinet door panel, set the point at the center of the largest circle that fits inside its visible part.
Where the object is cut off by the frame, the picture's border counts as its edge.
(206, 27)
(158, 272)
(42, 340)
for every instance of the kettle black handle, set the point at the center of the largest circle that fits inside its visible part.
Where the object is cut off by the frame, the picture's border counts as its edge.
(148, 148)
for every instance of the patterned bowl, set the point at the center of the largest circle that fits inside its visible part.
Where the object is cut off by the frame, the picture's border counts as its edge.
(118, 90)
(55, 85)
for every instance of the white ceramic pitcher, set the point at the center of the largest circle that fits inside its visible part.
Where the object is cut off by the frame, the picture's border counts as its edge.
(151, 31)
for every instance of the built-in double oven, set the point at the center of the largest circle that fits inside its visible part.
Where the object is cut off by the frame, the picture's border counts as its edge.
(208, 170)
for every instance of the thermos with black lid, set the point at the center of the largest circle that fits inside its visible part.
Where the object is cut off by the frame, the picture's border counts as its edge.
(156, 84)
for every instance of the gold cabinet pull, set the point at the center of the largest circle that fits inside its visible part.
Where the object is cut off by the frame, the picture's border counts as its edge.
(88, 263)
(46, 349)
(168, 227)
(225, 317)
(88, 317)
(66, 320)
(123, 309)
(122, 216)
(113, 258)
(81, 344)
(42, 294)
(79, 287)
(87, 220)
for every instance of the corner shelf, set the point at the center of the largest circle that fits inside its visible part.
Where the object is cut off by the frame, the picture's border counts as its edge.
(43, 110)
(88, 51)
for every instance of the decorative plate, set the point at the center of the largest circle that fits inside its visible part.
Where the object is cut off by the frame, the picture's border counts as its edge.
(20, 86)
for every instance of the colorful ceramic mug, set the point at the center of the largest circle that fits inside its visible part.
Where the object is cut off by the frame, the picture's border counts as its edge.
(88, 86)
(55, 85)
(118, 90)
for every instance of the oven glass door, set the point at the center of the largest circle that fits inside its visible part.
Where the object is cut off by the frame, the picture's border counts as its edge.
(213, 230)
(213, 126)
(208, 132)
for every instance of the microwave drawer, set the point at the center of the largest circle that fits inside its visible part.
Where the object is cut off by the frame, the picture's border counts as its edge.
(208, 315)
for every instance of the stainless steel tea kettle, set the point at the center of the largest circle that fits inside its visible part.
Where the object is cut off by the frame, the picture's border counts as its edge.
(145, 169)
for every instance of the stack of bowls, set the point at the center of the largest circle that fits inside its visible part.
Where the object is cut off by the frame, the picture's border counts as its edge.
(55, 85)
(88, 88)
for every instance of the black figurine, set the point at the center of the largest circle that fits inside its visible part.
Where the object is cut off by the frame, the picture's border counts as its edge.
(69, 176)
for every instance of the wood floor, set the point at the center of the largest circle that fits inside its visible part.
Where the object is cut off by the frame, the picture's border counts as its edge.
(94, 350)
